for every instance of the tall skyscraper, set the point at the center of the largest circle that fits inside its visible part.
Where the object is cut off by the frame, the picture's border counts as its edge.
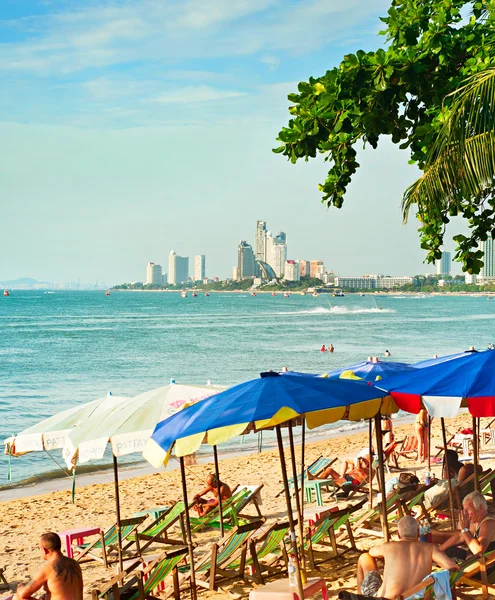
(178, 268)
(199, 267)
(488, 248)
(276, 252)
(292, 270)
(260, 241)
(444, 265)
(153, 274)
(245, 260)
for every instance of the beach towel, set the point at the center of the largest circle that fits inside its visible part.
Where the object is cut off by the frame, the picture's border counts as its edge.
(441, 587)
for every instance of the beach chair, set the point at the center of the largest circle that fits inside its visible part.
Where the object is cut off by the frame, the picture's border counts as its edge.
(364, 522)
(408, 449)
(315, 468)
(229, 512)
(268, 542)
(475, 575)
(254, 498)
(100, 549)
(4, 584)
(327, 527)
(158, 531)
(215, 566)
(389, 456)
(133, 584)
(487, 484)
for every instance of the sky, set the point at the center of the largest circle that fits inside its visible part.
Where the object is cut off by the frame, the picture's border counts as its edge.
(132, 127)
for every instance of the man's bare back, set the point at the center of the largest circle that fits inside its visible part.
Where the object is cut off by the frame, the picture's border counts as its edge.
(60, 577)
(407, 562)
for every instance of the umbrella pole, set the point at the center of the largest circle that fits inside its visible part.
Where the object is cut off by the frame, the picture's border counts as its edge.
(370, 465)
(379, 449)
(429, 444)
(293, 539)
(117, 508)
(303, 442)
(298, 501)
(217, 475)
(188, 527)
(449, 482)
(476, 448)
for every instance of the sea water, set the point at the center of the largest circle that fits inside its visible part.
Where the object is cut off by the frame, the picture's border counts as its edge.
(64, 348)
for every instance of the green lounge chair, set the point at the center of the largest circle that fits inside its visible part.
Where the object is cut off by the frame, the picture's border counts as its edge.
(327, 527)
(157, 532)
(371, 516)
(229, 513)
(139, 585)
(108, 542)
(214, 568)
(474, 575)
(268, 542)
(315, 468)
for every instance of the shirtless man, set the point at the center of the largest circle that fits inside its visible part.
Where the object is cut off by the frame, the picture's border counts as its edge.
(407, 562)
(477, 530)
(60, 577)
(362, 459)
(204, 506)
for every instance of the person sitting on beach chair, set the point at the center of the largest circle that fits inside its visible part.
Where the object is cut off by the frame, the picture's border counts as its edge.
(361, 460)
(203, 506)
(349, 481)
(60, 576)
(476, 533)
(406, 563)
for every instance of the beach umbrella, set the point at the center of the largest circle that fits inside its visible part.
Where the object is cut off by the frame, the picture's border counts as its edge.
(127, 427)
(443, 387)
(370, 370)
(51, 433)
(263, 403)
(441, 359)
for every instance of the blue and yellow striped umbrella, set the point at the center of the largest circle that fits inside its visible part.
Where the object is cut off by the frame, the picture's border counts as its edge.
(263, 403)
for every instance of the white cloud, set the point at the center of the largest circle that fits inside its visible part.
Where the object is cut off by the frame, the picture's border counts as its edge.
(272, 62)
(199, 93)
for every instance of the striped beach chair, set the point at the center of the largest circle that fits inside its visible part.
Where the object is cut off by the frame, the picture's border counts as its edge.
(140, 584)
(315, 468)
(158, 531)
(229, 513)
(214, 568)
(100, 549)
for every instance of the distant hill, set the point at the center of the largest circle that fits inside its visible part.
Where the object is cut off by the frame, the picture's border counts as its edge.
(22, 281)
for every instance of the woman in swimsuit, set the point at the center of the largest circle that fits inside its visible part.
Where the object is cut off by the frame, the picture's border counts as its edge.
(421, 427)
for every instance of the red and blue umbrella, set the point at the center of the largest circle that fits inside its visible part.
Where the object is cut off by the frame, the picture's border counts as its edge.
(443, 387)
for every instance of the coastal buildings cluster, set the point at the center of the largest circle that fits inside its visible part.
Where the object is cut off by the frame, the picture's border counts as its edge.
(266, 259)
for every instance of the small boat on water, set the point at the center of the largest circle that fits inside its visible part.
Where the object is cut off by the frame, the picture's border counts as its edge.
(194, 295)
(107, 293)
(315, 294)
(206, 294)
(274, 293)
(253, 294)
(183, 294)
(303, 293)
(6, 293)
(286, 294)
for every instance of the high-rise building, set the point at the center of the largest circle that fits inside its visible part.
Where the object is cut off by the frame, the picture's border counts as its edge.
(291, 271)
(178, 268)
(236, 274)
(260, 241)
(245, 260)
(304, 268)
(276, 252)
(315, 267)
(153, 274)
(199, 267)
(444, 265)
(488, 249)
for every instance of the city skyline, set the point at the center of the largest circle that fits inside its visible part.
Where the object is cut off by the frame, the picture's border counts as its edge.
(139, 123)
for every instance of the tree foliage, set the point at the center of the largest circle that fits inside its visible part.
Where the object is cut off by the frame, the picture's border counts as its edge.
(406, 91)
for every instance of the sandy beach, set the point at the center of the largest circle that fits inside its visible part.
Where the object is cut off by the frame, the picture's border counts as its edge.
(24, 519)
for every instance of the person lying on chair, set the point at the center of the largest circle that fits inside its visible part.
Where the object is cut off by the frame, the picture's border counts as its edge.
(348, 482)
(60, 577)
(406, 563)
(204, 506)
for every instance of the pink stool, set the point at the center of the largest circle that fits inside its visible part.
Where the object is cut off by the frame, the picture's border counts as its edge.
(281, 590)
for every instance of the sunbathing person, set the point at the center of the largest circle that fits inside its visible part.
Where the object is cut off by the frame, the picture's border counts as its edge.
(354, 477)
(476, 533)
(60, 577)
(362, 459)
(203, 506)
(452, 469)
(407, 562)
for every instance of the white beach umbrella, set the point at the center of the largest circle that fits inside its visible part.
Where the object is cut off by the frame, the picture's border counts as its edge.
(51, 433)
(130, 424)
